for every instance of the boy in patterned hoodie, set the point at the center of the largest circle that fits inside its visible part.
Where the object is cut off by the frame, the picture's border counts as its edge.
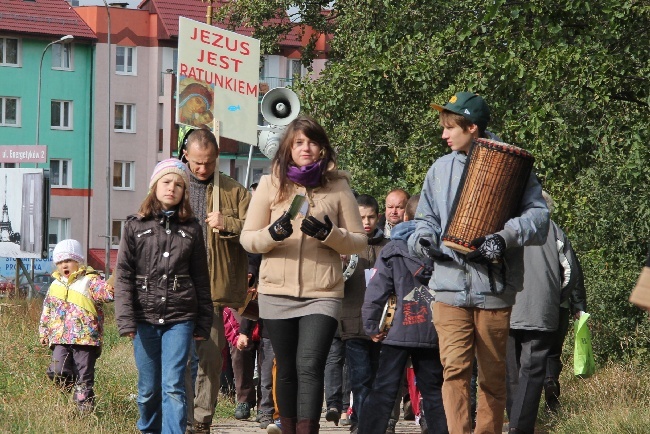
(72, 322)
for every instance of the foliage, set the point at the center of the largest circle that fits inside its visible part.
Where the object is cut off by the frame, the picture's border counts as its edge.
(567, 80)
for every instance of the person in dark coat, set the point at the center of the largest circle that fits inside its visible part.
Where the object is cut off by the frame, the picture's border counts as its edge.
(412, 332)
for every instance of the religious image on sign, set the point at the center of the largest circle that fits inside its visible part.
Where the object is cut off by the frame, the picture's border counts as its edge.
(195, 103)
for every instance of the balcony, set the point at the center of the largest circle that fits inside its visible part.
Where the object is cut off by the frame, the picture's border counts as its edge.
(268, 83)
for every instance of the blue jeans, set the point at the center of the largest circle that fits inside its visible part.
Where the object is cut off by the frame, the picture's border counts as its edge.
(362, 358)
(334, 375)
(161, 354)
(428, 376)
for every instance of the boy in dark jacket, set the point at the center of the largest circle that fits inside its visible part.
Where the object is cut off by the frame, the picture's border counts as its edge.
(411, 334)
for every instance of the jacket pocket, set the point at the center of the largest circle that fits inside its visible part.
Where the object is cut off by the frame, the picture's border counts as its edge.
(182, 298)
(272, 267)
(143, 295)
(328, 271)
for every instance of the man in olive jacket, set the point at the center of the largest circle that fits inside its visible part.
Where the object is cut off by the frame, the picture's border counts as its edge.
(227, 264)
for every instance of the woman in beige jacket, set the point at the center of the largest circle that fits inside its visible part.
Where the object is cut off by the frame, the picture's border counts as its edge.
(301, 282)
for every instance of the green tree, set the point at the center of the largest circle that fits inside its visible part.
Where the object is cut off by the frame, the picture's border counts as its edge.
(567, 80)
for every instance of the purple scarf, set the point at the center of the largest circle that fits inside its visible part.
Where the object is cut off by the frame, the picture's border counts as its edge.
(307, 176)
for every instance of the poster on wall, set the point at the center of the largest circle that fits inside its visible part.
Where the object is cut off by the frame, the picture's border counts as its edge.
(24, 197)
(218, 77)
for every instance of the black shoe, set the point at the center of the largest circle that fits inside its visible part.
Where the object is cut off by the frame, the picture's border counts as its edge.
(391, 426)
(333, 415)
(552, 394)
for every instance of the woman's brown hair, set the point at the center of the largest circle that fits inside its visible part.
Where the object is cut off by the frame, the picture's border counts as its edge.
(152, 208)
(282, 159)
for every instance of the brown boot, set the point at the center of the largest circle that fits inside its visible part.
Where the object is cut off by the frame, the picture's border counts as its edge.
(288, 425)
(307, 426)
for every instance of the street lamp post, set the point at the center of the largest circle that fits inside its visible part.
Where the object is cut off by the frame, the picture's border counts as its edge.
(40, 71)
(109, 238)
(38, 131)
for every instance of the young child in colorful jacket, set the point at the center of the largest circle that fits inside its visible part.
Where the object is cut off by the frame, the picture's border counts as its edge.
(72, 322)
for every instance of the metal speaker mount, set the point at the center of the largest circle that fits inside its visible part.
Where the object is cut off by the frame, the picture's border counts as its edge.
(280, 106)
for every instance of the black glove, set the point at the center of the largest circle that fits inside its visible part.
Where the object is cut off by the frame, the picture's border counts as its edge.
(488, 249)
(281, 228)
(315, 228)
(427, 249)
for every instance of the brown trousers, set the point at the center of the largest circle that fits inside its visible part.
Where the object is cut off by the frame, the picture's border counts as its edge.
(463, 333)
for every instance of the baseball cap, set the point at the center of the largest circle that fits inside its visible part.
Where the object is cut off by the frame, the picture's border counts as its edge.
(469, 105)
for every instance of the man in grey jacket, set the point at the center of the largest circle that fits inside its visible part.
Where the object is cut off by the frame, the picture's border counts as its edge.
(551, 270)
(472, 309)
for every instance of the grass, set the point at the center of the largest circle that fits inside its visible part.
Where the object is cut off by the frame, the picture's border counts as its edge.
(29, 402)
(615, 400)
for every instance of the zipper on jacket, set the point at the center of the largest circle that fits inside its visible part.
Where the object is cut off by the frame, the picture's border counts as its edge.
(148, 231)
(175, 282)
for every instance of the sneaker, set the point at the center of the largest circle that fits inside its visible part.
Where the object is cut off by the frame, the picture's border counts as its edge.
(274, 428)
(201, 428)
(265, 420)
(391, 426)
(424, 429)
(333, 415)
(345, 421)
(242, 411)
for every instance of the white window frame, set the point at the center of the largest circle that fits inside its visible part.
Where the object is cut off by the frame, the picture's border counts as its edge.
(63, 52)
(61, 228)
(3, 56)
(127, 109)
(3, 111)
(128, 172)
(62, 162)
(127, 53)
(291, 68)
(62, 112)
(119, 235)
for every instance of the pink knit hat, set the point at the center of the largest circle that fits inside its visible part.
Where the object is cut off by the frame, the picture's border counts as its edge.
(170, 165)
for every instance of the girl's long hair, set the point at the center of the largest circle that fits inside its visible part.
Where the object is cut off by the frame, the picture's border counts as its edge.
(152, 208)
(282, 159)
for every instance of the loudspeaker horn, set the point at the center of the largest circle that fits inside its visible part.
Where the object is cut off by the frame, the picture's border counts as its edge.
(269, 141)
(280, 106)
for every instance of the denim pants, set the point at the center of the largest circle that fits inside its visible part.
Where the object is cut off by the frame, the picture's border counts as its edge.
(266, 355)
(362, 358)
(301, 345)
(334, 375)
(387, 387)
(161, 354)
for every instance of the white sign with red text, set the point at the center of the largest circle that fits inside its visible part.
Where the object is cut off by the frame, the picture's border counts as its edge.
(218, 77)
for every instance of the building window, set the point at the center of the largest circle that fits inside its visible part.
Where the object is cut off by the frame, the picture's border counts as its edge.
(125, 118)
(8, 165)
(61, 115)
(60, 173)
(123, 175)
(125, 61)
(59, 230)
(9, 112)
(62, 56)
(116, 232)
(9, 52)
(294, 68)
